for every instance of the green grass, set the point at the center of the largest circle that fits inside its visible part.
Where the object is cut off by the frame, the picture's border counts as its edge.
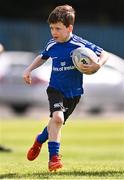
(91, 149)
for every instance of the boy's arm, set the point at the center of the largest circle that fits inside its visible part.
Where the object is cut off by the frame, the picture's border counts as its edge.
(38, 61)
(94, 67)
(103, 58)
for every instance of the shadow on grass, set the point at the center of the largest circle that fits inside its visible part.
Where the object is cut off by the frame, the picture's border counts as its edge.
(67, 174)
(9, 175)
(74, 173)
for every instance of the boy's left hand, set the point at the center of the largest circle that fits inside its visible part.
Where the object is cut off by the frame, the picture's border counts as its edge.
(94, 67)
(90, 68)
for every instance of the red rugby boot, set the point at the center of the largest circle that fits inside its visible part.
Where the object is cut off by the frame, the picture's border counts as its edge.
(55, 163)
(34, 151)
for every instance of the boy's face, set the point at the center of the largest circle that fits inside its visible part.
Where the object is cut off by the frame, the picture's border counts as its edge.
(60, 32)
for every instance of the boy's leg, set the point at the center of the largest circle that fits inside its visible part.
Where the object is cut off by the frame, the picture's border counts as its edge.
(34, 151)
(54, 129)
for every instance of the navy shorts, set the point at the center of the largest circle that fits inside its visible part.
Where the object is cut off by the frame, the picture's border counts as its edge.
(57, 102)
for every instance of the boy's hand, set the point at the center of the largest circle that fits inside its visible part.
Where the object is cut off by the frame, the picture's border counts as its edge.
(91, 68)
(27, 76)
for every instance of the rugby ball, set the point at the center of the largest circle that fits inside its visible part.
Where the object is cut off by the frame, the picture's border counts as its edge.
(83, 55)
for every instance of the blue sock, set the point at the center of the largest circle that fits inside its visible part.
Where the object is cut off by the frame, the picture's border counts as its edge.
(41, 138)
(53, 148)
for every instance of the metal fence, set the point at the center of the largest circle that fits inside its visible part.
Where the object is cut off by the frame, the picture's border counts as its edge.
(32, 36)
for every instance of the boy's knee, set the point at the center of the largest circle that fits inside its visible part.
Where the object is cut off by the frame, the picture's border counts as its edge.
(58, 117)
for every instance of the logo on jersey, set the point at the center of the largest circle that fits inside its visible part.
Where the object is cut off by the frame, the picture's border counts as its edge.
(63, 63)
(65, 68)
(54, 58)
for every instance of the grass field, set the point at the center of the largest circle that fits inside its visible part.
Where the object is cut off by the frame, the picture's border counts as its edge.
(91, 149)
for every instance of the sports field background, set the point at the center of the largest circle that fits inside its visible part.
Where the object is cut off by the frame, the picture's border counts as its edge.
(92, 148)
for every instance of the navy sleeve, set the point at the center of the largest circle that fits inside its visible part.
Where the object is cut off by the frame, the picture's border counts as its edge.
(44, 54)
(94, 48)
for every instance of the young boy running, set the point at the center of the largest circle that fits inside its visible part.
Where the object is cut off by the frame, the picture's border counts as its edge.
(65, 87)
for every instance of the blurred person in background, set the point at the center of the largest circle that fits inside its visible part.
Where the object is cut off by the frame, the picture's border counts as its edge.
(2, 148)
(65, 86)
(1, 48)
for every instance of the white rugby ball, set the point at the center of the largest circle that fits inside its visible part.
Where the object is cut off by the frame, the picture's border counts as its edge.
(83, 55)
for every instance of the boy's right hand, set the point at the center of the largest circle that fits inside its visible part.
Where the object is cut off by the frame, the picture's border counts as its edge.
(27, 76)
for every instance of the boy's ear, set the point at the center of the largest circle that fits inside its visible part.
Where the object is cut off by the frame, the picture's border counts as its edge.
(70, 27)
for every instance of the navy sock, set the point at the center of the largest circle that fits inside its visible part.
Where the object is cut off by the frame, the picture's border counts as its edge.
(43, 137)
(53, 148)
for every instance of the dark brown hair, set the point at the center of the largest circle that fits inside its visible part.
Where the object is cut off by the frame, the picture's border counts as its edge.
(64, 14)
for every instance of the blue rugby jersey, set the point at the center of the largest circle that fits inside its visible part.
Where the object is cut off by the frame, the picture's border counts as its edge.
(64, 76)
